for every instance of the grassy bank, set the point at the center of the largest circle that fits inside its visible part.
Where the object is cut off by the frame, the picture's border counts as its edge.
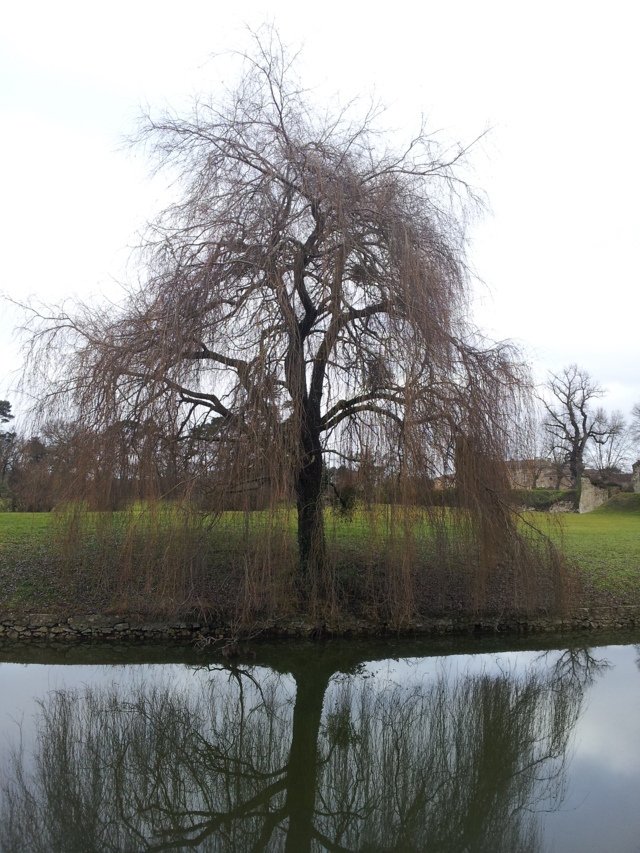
(604, 545)
(158, 560)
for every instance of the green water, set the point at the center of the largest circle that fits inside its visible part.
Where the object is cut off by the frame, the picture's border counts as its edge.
(342, 746)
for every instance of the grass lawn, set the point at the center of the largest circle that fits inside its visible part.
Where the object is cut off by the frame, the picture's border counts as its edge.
(26, 574)
(22, 526)
(603, 546)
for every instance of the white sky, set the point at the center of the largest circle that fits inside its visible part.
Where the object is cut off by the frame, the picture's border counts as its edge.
(557, 82)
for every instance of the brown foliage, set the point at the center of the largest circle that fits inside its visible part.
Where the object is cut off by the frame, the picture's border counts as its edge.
(305, 299)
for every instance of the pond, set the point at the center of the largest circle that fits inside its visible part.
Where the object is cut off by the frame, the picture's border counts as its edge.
(530, 745)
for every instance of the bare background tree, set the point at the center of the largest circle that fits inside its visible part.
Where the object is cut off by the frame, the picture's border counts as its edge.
(634, 428)
(304, 299)
(571, 423)
(612, 453)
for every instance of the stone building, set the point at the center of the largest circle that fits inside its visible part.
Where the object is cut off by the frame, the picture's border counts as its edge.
(538, 474)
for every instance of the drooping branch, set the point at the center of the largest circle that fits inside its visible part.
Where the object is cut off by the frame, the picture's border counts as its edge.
(306, 293)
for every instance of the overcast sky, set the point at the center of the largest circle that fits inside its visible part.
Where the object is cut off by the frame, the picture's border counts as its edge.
(556, 81)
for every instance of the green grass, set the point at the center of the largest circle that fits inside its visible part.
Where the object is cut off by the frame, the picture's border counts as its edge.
(602, 546)
(26, 572)
(20, 526)
(153, 556)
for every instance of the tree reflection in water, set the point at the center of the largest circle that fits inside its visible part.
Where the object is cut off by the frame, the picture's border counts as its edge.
(342, 763)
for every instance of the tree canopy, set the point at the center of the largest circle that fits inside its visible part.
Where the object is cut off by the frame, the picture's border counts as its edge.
(305, 298)
(574, 427)
(7, 442)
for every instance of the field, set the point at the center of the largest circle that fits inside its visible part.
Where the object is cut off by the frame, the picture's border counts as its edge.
(605, 546)
(45, 564)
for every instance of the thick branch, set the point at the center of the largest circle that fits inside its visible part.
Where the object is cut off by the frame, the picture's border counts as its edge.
(205, 354)
(331, 336)
(354, 410)
(347, 405)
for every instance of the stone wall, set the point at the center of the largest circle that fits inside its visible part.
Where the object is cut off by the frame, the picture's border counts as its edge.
(50, 628)
(591, 497)
(635, 477)
(598, 486)
(537, 474)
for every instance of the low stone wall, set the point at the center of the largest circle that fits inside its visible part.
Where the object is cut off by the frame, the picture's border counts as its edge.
(98, 628)
(44, 626)
(562, 506)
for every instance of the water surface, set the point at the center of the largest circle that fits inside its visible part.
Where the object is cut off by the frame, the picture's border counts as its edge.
(401, 745)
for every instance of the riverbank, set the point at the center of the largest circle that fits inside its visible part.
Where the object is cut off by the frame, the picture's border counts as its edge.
(48, 627)
(87, 595)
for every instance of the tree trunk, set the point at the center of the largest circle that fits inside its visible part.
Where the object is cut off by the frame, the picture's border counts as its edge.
(302, 768)
(573, 470)
(576, 467)
(311, 542)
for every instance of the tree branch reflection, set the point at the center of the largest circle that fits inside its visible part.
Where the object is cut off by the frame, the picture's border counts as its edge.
(574, 668)
(249, 763)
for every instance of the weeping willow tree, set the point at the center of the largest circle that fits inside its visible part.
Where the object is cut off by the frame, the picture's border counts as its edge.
(304, 301)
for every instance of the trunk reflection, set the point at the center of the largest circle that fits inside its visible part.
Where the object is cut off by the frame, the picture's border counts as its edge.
(242, 761)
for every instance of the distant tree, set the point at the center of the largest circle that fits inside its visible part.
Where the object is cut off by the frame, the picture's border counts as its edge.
(570, 422)
(634, 427)
(29, 476)
(42, 467)
(7, 441)
(306, 296)
(7, 444)
(613, 452)
(5, 412)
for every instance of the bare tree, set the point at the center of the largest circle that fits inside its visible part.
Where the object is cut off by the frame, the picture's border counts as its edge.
(570, 422)
(306, 295)
(634, 427)
(613, 452)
